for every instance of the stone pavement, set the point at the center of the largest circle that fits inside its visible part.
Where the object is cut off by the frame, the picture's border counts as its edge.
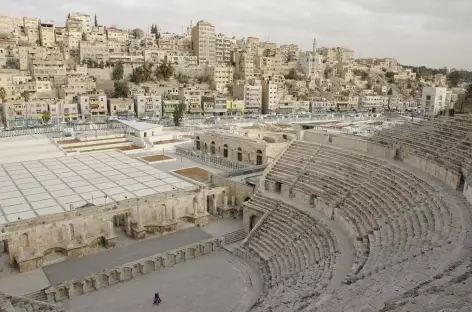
(24, 283)
(219, 227)
(108, 259)
(206, 284)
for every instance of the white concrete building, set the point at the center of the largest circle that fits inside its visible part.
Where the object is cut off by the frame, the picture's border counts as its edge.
(85, 20)
(92, 106)
(433, 100)
(252, 96)
(223, 49)
(270, 98)
(47, 36)
(221, 75)
(376, 102)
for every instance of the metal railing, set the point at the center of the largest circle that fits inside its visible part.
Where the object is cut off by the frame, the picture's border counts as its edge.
(210, 159)
(56, 130)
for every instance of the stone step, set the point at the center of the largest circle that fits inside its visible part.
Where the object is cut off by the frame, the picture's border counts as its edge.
(235, 236)
(39, 295)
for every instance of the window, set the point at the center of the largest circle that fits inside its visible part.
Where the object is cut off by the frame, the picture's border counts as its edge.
(240, 154)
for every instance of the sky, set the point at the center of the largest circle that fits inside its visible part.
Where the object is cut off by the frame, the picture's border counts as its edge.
(434, 33)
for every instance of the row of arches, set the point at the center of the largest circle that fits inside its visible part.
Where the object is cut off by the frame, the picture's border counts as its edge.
(225, 150)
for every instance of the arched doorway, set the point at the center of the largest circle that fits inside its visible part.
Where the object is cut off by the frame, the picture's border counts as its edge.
(225, 151)
(197, 142)
(212, 148)
(206, 147)
(259, 158)
(24, 240)
(240, 154)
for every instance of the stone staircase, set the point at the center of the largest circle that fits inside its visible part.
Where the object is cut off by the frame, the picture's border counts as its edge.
(39, 295)
(9, 303)
(234, 237)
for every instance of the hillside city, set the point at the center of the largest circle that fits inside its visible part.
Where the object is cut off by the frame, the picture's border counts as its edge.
(86, 72)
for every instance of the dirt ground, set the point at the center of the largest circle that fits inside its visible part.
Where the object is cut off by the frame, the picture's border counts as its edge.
(195, 173)
(156, 158)
(165, 142)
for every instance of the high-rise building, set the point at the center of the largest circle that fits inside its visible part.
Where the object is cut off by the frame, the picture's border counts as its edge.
(85, 19)
(203, 41)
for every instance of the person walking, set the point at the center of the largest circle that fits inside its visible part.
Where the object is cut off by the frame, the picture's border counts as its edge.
(157, 299)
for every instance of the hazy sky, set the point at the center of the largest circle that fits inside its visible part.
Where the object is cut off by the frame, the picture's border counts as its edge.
(434, 33)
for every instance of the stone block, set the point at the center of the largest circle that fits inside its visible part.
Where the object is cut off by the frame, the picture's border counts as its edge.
(189, 253)
(170, 259)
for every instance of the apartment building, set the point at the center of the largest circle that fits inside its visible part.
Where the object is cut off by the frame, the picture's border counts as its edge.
(148, 105)
(270, 98)
(223, 49)
(204, 43)
(94, 50)
(97, 33)
(377, 102)
(168, 107)
(251, 94)
(182, 60)
(235, 107)
(434, 100)
(61, 111)
(20, 113)
(221, 75)
(119, 35)
(192, 97)
(92, 106)
(244, 65)
(214, 105)
(84, 19)
(121, 107)
(43, 69)
(155, 55)
(47, 35)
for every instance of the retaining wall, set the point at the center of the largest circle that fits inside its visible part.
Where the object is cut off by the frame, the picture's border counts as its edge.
(127, 272)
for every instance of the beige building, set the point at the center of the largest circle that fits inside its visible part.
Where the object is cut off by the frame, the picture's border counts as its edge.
(251, 94)
(61, 111)
(97, 33)
(119, 35)
(270, 98)
(244, 65)
(92, 106)
(251, 146)
(21, 113)
(47, 35)
(94, 50)
(223, 49)
(148, 105)
(192, 97)
(47, 68)
(204, 45)
(221, 75)
(85, 21)
(121, 107)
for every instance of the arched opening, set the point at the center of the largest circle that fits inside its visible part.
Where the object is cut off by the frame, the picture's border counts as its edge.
(212, 148)
(284, 136)
(54, 255)
(206, 147)
(225, 151)
(24, 240)
(99, 242)
(197, 142)
(246, 199)
(240, 154)
(259, 158)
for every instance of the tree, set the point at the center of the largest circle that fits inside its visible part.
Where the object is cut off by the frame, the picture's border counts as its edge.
(96, 21)
(3, 94)
(121, 89)
(292, 74)
(26, 96)
(204, 79)
(164, 71)
(182, 79)
(142, 73)
(12, 63)
(118, 71)
(390, 92)
(178, 114)
(84, 37)
(229, 86)
(46, 116)
(453, 79)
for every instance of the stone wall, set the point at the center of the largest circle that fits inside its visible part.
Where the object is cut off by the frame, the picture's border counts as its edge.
(468, 190)
(237, 194)
(11, 303)
(128, 271)
(47, 239)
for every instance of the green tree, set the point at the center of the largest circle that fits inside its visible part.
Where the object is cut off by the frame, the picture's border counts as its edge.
(101, 64)
(118, 71)
(390, 92)
(46, 116)
(3, 94)
(453, 79)
(230, 87)
(182, 79)
(26, 96)
(178, 114)
(292, 74)
(96, 21)
(12, 63)
(204, 79)
(84, 37)
(142, 73)
(164, 71)
(121, 89)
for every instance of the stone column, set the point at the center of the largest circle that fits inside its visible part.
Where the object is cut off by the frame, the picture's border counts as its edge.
(110, 229)
(138, 217)
(173, 213)
(21, 252)
(162, 212)
(225, 201)
(203, 207)
(233, 200)
(195, 207)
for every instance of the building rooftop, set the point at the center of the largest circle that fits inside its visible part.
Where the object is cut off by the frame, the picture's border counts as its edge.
(139, 125)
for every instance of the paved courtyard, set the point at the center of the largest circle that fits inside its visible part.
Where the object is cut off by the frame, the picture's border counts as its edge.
(206, 284)
(81, 267)
(41, 187)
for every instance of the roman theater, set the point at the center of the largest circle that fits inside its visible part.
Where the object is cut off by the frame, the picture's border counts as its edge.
(258, 218)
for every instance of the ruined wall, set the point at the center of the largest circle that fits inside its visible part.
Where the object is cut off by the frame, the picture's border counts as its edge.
(130, 270)
(237, 194)
(468, 190)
